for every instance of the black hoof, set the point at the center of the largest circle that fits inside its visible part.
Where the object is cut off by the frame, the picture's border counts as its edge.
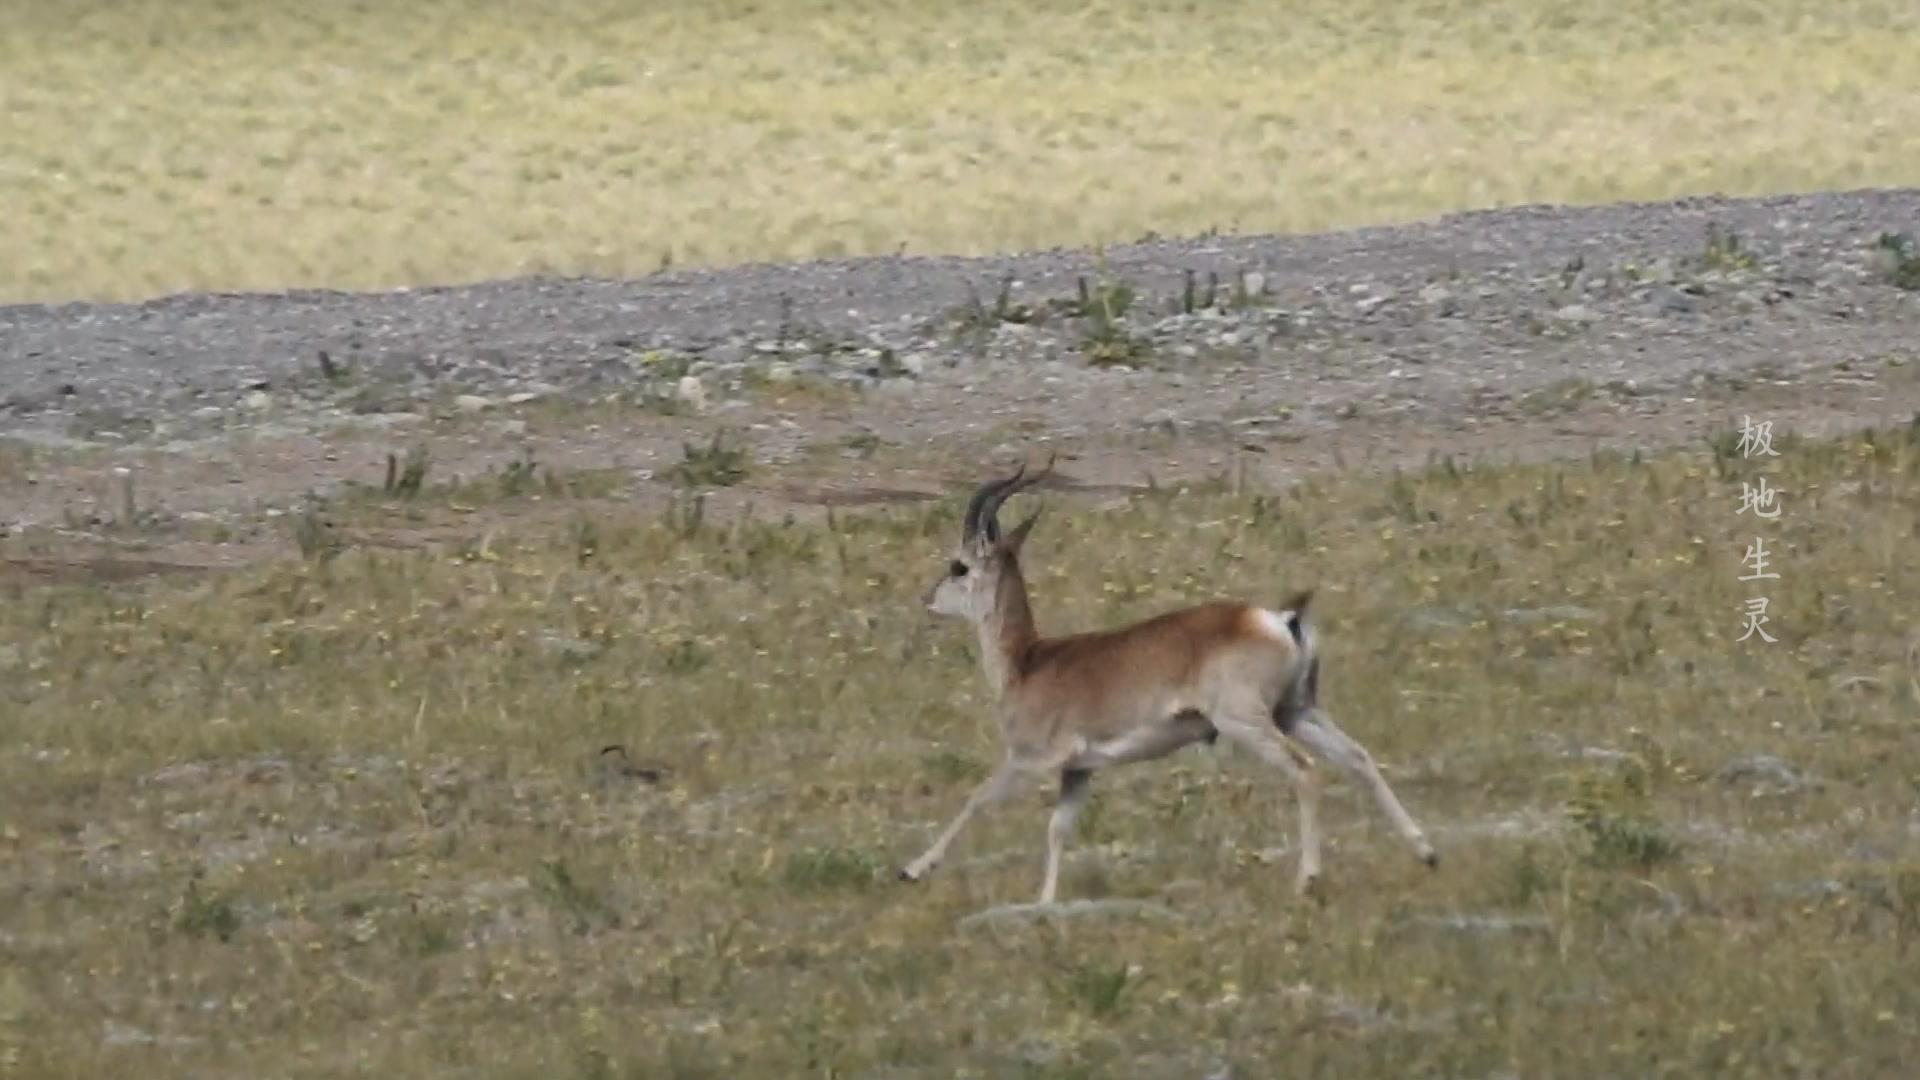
(906, 877)
(1432, 859)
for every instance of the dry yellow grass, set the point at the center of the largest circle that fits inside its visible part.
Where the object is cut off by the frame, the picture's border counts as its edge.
(340, 819)
(158, 145)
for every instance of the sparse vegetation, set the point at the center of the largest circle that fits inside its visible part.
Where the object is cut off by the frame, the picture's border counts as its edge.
(201, 915)
(1610, 809)
(517, 477)
(717, 464)
(976, 320)
(319, 821)
(1557, 397)
(406, 482)
(1099, 988)
(1724, 252)
(811, 869)
(862, 444)
(406, 489)
(583, 908)
(622, 138)
(16, 460)
(1903, 259)
(1107, 339)
(313, 533)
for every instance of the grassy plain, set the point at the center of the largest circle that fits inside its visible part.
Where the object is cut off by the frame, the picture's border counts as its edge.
(342, 816)
(161, 145)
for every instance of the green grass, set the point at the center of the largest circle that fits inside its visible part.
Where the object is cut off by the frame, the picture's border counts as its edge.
(340, 818)
(154, 145)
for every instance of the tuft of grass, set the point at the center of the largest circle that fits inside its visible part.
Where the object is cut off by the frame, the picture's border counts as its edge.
(406, 481)
(664, 366)
(975, 319)
(517, 477)
(585, 907)
(1099, 989)
(687, 656)
(428, 934)
(1723, 251)
(1609, 808)
(713, 465)
(862, 444)
(1106, 338)
(1558, 397)
(949, 767)
(314, 533)
(1903, 259)
(1191, 299)
(202, 915)
(1615, 840)
(1528, 878)
(816, 869)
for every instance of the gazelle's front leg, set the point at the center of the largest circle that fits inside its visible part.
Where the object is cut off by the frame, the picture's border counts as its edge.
(1253, 730)
(1318, 733)
(991, 791)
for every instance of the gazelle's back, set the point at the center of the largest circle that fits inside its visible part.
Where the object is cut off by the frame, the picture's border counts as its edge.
(1104, 682)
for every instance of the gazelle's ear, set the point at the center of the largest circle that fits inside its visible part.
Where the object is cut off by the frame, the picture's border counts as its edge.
(1011, 545)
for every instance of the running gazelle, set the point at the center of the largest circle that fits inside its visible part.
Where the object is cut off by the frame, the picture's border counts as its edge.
(1071, 705)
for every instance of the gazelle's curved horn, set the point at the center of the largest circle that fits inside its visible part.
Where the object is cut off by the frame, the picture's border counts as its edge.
(984, 502)
(995, 494)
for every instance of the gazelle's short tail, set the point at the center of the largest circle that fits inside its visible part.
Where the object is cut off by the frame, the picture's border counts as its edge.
(1303, 691)
(1296, 610)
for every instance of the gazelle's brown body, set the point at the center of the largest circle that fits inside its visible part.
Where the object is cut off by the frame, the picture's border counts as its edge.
(1072, 705)
(1080, 701)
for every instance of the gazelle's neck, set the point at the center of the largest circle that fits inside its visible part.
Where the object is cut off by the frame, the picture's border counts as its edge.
(1007, 633)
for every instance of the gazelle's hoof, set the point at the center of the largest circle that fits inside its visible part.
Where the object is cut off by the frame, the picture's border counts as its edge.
(1307, 885)
(908, 876)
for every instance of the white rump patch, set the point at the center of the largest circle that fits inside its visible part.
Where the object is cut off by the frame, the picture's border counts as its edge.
(1273, 622)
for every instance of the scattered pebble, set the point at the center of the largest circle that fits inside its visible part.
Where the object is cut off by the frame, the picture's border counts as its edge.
(1483, 925)
(1765, 773)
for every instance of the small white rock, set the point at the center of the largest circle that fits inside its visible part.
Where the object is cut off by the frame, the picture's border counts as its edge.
(472, 403)
(259, 400)
(691, 392)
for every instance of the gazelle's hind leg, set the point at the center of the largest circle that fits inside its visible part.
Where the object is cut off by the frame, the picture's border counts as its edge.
(1252, 729)
(1074, 784)
(1317, 732)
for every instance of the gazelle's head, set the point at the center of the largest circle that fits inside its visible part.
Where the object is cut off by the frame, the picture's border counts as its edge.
(971, 583)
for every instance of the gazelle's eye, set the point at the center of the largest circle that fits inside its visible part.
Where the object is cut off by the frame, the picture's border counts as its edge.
(959, 568)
